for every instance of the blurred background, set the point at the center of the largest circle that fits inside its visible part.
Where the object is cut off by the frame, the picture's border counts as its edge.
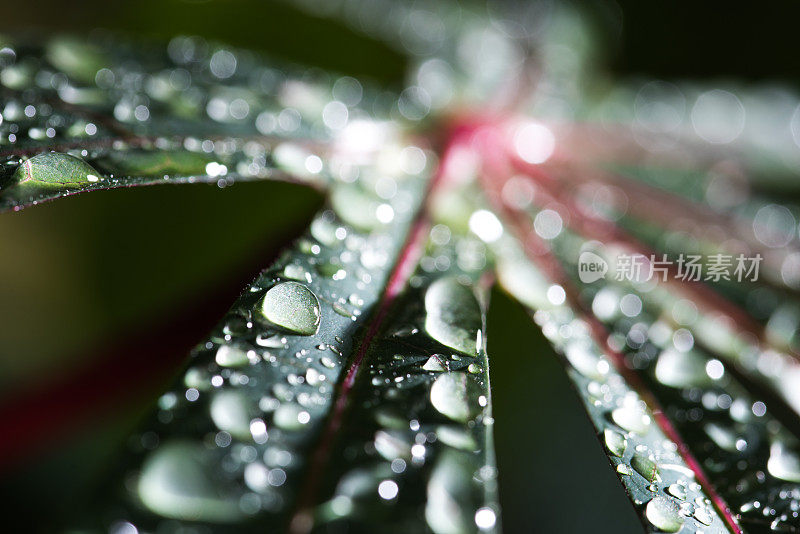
(122, 283)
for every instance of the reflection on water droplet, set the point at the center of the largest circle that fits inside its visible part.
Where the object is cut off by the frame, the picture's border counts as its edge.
(485, 518)
(664, 514)
(292, 306)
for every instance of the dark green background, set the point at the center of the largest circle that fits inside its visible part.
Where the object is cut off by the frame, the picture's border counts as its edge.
(93, 276)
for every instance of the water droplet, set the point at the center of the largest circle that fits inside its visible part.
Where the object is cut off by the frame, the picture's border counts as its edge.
(452, 395)
(615, 442)
(228, 356)
(229, 412)
(292, 306)
(784, 462)
(175, 482)
(664, 514)
(290, 417)
(624, 469)
(274, 341)
(678, 491)
(53, 171)
(456, 437)
(681, 369)
(703, 516)
(453, 315)
(645, 466)
(632, 419)
(297, 272)
(436, 363)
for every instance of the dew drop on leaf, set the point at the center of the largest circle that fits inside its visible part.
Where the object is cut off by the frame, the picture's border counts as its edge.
(292, 306)
(174, 483)
(155, 163)
(631, 419)
(783, 462)
(615, 442)
(296, 272)
(231, 357)
(435, 364)
(290, 417)
(451, 394)
(456, 437)
(678, 491)
(229, 412)
(645, 466)
(54, 171)
(453, 315)
(664, 514)
(681, 369)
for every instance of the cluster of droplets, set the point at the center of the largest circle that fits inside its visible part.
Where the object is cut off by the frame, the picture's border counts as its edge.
(749, 455)
(420, 436)
(114, 115)
(230, 440)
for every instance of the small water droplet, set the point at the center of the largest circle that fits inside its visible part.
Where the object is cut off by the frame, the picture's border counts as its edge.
(615, 442)
(228, 356)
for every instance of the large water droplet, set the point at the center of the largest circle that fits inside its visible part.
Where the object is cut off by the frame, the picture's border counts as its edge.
(292, 306)
(664, 514)
(453, 315)
(54, 171)
(175, 483)
(455, 395)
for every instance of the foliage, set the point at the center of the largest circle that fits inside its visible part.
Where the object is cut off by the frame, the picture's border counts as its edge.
(348, 385)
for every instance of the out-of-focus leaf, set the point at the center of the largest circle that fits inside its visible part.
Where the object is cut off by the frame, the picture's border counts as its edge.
(656, 469)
